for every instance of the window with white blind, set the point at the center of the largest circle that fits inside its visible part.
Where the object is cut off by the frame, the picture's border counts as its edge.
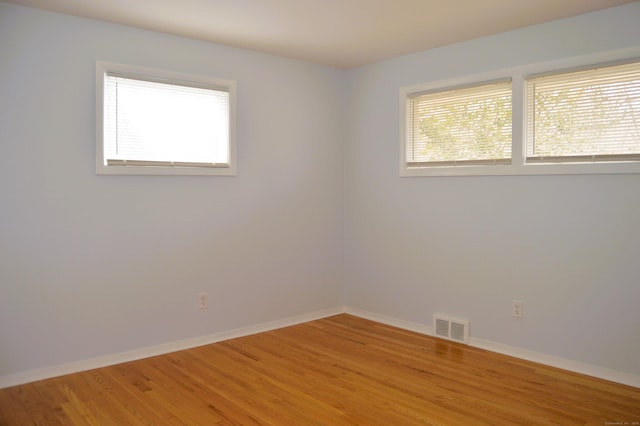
(156, 122)
(529, 120)
(584, 116)
(460, 126)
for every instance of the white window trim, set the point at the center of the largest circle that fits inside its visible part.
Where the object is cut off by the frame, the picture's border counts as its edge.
(518, 166)
(135, 71)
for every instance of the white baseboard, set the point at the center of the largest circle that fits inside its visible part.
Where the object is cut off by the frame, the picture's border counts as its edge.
(541, 358)
(558, 362)
(395, 322)
(104, 361)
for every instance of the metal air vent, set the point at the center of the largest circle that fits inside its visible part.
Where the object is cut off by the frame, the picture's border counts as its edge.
(451, 328)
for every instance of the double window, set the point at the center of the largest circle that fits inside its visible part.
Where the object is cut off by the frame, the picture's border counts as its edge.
(154, 122)
(585, 120)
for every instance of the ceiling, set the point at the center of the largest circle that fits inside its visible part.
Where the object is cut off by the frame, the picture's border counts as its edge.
(338, 33)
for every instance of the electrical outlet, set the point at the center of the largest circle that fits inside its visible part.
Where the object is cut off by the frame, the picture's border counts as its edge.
(517, 309)
(203, 301)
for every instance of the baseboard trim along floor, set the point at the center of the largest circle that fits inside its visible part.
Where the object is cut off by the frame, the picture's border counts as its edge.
(540, 358)
(89, 364)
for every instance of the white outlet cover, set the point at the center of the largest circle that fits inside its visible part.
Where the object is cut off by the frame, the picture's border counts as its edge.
(517, 308)
(203, 300)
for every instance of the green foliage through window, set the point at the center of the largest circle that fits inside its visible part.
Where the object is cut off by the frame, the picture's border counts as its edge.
(467, 125)
(585, 115)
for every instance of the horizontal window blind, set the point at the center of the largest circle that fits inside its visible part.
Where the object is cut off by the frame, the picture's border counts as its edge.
(584, 116)
(155, 123)
(460, 126)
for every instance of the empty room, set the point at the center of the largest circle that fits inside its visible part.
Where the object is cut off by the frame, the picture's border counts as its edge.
(319, 212)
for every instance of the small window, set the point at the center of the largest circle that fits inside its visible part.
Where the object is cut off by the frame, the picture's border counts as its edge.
(590, 115)
(155, 122)
(460, 126)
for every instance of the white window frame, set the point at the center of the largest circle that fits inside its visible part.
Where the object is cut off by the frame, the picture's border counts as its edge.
(171, 77)
(518, 166)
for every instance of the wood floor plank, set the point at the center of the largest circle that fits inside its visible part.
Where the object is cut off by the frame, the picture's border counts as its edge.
(142, 409)
(340, 370)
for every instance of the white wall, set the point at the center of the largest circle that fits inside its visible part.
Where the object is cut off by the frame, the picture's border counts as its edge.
(96, 265)
(568, 246)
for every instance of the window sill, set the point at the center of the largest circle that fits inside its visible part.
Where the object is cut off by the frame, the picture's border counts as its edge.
(526, 169)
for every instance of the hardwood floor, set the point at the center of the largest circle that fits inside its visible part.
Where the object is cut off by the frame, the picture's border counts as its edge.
(340, 370)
